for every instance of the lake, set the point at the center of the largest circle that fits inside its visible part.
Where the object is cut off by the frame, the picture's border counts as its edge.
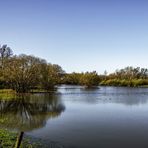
(75, 117)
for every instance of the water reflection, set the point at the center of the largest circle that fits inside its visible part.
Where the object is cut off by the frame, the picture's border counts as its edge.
(28, 112)
(106, 117)
(120, 95)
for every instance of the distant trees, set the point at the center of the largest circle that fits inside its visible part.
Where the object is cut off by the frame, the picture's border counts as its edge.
(129, 76)
(88, 79)
(72, 78)
(129, 73)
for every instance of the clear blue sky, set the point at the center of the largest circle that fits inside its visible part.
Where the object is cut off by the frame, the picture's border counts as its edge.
(79, 35)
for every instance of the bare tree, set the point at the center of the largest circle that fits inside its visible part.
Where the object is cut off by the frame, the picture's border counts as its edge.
(5, 52)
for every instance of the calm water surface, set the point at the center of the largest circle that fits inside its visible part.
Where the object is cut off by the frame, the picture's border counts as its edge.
(108, 117)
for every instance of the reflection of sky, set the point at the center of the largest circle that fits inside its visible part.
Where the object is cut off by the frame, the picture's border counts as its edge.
(119, 122)
(121, 95)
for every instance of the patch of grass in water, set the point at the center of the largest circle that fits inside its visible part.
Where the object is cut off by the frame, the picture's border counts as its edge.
(8, 139)
(7, 91)
(6, 94)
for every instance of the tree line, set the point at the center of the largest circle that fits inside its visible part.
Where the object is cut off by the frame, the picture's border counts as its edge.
(24, 73)
(129, 76)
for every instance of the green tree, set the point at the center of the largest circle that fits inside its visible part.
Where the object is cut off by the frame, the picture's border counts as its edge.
(50, 75)
(72, 78)
(90, 79)
(22, 72)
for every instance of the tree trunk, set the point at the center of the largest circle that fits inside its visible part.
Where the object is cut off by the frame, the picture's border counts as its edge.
(19, 140)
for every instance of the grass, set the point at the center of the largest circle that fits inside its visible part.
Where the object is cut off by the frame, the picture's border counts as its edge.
(10, 91)
(8, 139)
(144, 86)
(7, 94)
(7, 91)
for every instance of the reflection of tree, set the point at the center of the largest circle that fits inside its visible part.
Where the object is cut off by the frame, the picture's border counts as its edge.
(25, 113)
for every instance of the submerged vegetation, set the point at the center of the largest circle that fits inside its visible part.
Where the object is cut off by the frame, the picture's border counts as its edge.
(24, 73)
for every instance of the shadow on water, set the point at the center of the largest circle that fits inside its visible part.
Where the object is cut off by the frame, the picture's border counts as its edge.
(25, 113)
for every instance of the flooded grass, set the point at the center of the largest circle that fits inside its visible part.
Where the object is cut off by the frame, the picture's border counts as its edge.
(8, 139)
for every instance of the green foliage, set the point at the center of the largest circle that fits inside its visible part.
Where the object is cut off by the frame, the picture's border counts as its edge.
(50, 75)
(73, 78)
(7, 94)
(89, 79)
(23, 73)
(128, 76)
(7, 139)
(109, 82)
(130, 73)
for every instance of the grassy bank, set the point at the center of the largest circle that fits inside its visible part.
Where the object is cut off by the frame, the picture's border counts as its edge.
(10, 92)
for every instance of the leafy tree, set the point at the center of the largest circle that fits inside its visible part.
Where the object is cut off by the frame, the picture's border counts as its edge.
(22, 72)
(90, 79)
(72, 78)
(50, 75)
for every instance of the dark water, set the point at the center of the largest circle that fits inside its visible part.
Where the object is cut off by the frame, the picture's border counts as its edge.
(108, 117)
